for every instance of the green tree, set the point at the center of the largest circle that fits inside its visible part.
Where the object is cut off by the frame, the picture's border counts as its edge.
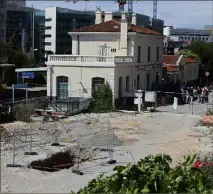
(102, 99)
(13, 53)
(189, 53)
(17, 56)
(203, 50)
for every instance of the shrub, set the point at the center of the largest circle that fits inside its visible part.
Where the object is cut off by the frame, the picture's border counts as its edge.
(209, 112)
(153, 174)
(102, 99)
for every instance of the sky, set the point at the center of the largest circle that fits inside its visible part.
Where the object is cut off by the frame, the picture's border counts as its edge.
(180, 14)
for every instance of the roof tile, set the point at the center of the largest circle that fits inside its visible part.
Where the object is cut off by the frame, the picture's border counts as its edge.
(189, 60)
(170, 59)
(171, 68)
(114, 26)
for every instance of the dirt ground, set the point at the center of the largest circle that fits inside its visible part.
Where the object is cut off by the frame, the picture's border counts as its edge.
(134, 137)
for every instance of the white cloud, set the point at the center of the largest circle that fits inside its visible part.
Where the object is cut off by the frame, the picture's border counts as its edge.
(180, 14)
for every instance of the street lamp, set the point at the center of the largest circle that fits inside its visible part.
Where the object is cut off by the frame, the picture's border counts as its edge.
(32, 53)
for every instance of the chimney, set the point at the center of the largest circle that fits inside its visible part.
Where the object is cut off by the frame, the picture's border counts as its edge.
(123, 35)
(123, 16)
(108, 16)
(134, 19)
(98, 17)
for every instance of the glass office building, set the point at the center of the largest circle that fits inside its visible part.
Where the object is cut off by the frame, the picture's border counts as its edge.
(60, 21)
(39, 37)
(20, 22)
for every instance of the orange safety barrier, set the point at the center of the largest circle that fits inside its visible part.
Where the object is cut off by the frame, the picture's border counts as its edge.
(208, 119)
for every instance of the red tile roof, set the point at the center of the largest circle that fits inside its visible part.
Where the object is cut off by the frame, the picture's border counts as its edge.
(189, 60)
(170, 59)
(114, 26)
(171, 68)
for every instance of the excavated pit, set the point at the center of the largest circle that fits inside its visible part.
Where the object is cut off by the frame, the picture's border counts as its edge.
(56, 162)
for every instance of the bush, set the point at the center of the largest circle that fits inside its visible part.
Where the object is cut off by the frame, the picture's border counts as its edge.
(209, 112)
(102, 99)
(153, 175)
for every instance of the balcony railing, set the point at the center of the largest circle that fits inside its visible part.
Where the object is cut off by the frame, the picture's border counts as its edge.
(90, 59)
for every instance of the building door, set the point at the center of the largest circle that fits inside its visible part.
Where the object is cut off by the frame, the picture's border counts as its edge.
(120, 87)
(147, 81)
(62, 88)
(97, 83)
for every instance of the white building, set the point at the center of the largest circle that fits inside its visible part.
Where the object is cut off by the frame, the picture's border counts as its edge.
(177, 39)
(128, 57)
(187, 35)
(181, 68)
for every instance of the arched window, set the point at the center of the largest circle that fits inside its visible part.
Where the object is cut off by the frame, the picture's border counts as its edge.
(97, 82)
(62, 87)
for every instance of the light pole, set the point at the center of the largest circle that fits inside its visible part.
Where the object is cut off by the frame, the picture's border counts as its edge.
(32, 53)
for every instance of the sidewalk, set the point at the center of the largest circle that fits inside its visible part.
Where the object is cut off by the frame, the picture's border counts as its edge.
(194, 109)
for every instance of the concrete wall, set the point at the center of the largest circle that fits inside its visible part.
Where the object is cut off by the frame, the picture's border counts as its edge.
(123, 71)
(78, 75)
(133, 71)
(152, 71)
(144, 41)
(90, 44)
(191, 71)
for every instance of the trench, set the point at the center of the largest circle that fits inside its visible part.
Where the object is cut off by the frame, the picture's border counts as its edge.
(56, 162)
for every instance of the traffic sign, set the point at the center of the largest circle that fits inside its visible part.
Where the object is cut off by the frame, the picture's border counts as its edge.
(29, 75)
(207, 73)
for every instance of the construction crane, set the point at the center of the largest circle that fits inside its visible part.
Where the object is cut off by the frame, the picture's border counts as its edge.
(155, 9)
(121, 4)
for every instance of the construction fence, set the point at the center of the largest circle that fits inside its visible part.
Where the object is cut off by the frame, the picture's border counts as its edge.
(95, 148)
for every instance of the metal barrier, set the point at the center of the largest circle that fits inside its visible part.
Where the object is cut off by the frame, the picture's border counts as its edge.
(90, 143)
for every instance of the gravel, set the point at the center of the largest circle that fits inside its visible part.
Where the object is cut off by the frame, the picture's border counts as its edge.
(156, 133)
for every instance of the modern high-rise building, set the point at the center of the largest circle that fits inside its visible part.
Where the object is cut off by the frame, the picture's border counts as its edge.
(18, 3)
(4, 5)
(60, 21)
(16, 18)
(20, 21)
(39, 37)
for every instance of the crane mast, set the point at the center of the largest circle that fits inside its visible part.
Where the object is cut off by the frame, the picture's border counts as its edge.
(155, 8)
